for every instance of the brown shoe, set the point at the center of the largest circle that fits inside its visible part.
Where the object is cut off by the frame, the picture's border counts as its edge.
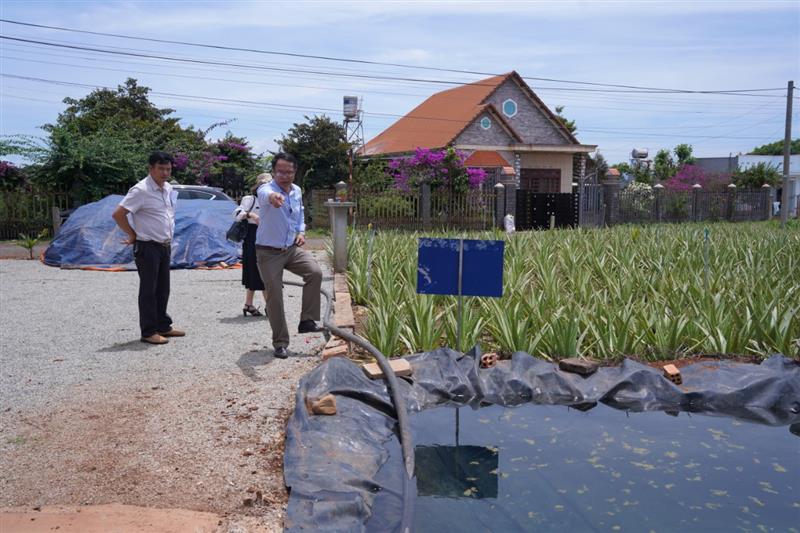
(172, 333)
(155, 339)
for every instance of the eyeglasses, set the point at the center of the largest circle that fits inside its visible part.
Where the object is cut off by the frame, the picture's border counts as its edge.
(283, 172)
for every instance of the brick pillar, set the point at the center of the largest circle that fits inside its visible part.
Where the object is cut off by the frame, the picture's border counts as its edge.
(611, 188)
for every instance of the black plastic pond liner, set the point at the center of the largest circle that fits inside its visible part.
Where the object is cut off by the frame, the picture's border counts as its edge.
(332, 462)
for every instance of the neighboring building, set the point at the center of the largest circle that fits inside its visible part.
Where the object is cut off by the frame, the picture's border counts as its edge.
(745, 161)
(501, 123)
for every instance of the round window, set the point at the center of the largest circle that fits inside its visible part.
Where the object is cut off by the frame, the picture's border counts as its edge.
(509, 108)
(486, 123)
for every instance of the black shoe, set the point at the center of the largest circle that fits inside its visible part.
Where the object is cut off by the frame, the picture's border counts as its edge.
(308, 326)
(281, 352)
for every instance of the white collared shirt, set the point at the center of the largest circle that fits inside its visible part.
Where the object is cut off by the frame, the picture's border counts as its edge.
(152, 210)
(248, 203)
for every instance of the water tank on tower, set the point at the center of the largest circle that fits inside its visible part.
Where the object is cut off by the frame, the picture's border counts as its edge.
(350, 107)
(639, 153)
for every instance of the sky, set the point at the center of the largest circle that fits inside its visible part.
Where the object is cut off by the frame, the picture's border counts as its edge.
(698, 45)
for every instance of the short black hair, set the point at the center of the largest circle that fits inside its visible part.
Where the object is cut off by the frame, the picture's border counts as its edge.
(159, 158)
(286, 157)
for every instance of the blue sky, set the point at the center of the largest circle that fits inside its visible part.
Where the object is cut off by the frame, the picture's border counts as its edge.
(697, 45)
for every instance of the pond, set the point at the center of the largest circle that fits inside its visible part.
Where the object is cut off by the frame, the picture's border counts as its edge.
(555, 468)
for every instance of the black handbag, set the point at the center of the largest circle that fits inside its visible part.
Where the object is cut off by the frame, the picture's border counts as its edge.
(238, 230)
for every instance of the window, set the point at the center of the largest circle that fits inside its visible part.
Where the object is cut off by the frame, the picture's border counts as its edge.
(509, 108)
(486, 123)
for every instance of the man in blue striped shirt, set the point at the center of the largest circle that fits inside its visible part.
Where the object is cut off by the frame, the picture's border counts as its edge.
(280, 236)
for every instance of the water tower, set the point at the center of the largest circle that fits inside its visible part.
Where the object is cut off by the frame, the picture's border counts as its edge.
(639, 157)
(354, 128)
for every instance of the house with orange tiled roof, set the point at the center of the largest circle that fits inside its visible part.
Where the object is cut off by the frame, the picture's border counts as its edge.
(501, 124)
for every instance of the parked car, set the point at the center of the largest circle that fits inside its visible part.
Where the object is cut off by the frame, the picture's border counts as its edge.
(200, 192)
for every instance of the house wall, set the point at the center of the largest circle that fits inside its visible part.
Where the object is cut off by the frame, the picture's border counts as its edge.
(529, 122)
(551, 160)
(494, 136)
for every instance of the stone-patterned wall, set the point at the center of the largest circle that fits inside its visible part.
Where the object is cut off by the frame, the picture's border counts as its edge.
(494, 136)
(529, 122)
(551, 160)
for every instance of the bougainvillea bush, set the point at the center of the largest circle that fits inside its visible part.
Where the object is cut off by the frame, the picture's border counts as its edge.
(439, 168)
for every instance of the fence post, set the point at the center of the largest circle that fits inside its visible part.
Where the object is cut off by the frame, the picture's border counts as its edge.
(659, 201)
(769, 195)
(56, 220)
(696, 202)
(731, 202)
(338, 216)
(499, 204)
(425, 204)
(611, 188)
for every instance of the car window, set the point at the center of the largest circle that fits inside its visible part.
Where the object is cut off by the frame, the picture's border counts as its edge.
(202, 195)
(183, 194)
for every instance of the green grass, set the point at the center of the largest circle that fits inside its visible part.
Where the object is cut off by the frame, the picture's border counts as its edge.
(625, 291)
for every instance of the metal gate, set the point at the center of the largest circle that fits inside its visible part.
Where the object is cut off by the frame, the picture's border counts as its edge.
(592, 206)
(537, 210)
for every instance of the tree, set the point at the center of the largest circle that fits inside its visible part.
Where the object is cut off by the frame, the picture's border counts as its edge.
(321, 149)
(569, 124)
(663, 165)
(99, 145)
(371, 174)
(757, 175)
(776, 148)
(684, 154)
(600, 166)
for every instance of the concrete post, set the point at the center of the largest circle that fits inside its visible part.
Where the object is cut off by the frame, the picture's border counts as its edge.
(768, 199)
(338, 216)
(499, 204)
(696, 202)
(611, 188)
(731, 202)
(659, 201)
(581, 187)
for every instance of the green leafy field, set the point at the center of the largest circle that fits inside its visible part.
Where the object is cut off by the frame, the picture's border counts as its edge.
(609, 293)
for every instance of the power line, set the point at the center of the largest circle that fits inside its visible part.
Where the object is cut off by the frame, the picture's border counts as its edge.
(668, 104)
(262, 105)
(636, 89)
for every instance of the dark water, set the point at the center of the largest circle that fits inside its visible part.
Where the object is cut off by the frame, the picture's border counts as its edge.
(552, 468)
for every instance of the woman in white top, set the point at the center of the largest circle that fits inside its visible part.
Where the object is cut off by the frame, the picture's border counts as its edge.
(251, 279)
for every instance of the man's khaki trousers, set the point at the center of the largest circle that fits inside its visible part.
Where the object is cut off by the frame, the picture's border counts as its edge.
(271, 264)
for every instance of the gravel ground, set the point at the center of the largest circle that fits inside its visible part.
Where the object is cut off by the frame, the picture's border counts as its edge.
(90, 415)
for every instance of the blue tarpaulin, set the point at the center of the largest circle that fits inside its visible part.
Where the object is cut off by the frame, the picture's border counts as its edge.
(91, 239)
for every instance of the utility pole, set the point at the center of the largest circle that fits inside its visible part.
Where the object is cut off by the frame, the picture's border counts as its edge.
(787, 145)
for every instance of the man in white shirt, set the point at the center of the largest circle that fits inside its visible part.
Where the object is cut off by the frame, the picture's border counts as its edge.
(151, 206)
(280, 235)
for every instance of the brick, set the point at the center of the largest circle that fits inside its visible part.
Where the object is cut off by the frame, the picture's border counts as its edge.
(577, 365)
(672, 373)
(343, 311)
(401, 368)
(321, 406)
(340, 283)
(335, 351)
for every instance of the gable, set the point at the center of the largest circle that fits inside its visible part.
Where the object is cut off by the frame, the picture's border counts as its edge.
(496, 135)
(530, 122)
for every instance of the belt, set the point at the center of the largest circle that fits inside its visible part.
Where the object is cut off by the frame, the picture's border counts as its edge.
(273, 248)
(165, 244)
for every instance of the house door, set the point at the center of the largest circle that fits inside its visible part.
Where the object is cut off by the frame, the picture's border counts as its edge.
(540, 180)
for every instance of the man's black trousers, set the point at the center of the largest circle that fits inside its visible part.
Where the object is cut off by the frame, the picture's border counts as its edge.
(152, 262)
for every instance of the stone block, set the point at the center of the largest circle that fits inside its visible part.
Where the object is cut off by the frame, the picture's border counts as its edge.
(578, 365)
(321, 406)
(672, 373)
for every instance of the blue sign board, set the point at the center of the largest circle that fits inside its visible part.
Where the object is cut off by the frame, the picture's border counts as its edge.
(482, 268)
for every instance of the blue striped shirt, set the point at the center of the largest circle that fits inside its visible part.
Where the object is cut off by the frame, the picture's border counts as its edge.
(279, 227)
